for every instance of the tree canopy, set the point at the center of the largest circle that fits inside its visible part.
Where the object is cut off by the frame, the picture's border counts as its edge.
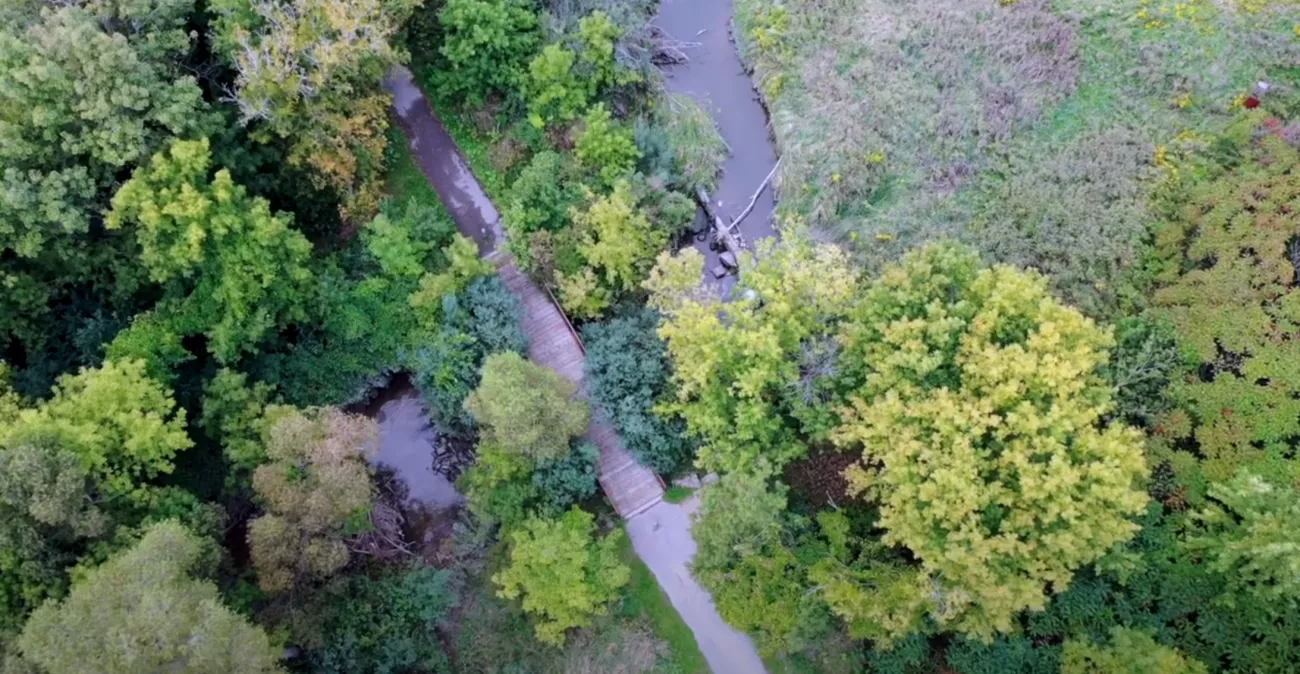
(526, 409)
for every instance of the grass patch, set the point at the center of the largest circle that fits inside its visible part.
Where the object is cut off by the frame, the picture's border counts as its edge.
(647, 600)
(676, 494)
(696, 143)
(1028, 128)
(405, 180)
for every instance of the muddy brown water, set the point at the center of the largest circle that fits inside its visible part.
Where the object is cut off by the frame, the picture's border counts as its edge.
(715, 77)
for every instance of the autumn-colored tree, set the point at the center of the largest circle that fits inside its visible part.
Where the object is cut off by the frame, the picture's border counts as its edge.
(1130, 651)
(1227, 260)
(563, 573)
(142, 611)
(526, 409)
(233, 270)
(753, 376)
(310, 71)
(121, 425)
(317, 492)
(980, 422)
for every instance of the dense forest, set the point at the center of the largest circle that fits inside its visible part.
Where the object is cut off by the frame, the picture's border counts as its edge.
(1009, 394)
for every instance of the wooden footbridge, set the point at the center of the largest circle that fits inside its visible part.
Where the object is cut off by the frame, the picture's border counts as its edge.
(552, 341)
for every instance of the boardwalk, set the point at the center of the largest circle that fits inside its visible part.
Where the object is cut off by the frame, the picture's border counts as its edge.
(631, 487)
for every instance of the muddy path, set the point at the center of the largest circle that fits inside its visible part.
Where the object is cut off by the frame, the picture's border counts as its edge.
(715, 77)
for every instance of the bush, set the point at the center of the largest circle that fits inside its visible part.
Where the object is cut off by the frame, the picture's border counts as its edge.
(539, 200)
(485, 45)
(554, 91)
(1226, 268)
(627, 371)
(494, 316)
(693, 141)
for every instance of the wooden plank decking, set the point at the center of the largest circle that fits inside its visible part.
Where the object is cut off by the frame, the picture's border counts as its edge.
(552, 342)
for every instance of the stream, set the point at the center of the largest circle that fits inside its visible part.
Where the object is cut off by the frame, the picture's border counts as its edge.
(422, 464)
(715, 77)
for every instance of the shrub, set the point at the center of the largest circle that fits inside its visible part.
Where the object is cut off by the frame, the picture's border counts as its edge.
(494, 316)
(627, 371)
(1130, 651)
(485, 45)
(540, 198)
(554, 91)
(694, 142)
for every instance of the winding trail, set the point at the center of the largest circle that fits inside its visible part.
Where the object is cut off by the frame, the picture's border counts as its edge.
(660, 531)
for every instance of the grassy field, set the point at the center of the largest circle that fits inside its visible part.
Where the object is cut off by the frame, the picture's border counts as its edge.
(1029, 128)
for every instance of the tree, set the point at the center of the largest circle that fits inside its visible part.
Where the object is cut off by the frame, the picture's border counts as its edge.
(317, 493)
(980, 425)
(463, 266)
(402, 242)
(526, 409)
(499, 486)
(233, 270)
(1130, 651)
(1225, 261)
(485, 44)
(122, 426)
(627, 372)
(152, 339)
(563, 573)
(567, 481)
(618, 242)
(604, 148)
(1250, 533)
(143, 611)
(539, 200)
(310, 71)
(554, 91)
(741, 385)
(81, 102)
(234, 414)
(45, 507)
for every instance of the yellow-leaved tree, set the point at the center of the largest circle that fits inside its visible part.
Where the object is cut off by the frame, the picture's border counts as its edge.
(981, 420)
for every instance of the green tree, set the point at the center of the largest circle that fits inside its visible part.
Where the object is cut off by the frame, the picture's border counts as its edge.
(385, 625)
(627, 372)
(152, 339)
(233, 270)
(539, 200)
(618, 242)
(234, 414)
(980, 424)
(604, 147)
(79, 103)
(121, 425)
(499, 486)
(526, 409)
(1226, 263)
(485, 45)
(1250, 533)
(143, 611)
(1130, 651)
(554, 91)
(45, 507)
(567, 481)
(463, 266)
(752, 387)
(317, 492)
(563, 573)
